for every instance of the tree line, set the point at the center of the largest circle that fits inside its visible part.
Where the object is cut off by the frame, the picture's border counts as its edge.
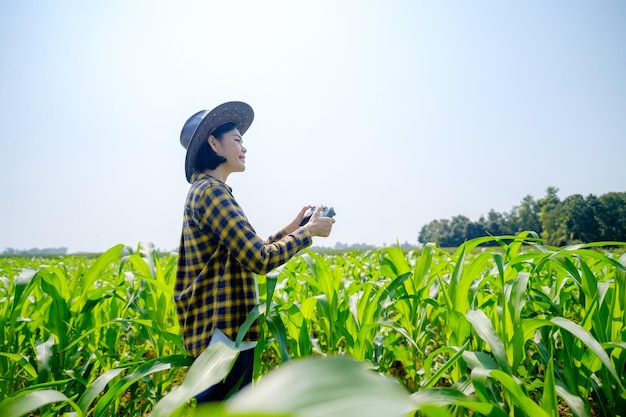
(576, 219)
(35, 251)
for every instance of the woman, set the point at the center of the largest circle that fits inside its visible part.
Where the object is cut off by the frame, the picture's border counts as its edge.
(219, 252)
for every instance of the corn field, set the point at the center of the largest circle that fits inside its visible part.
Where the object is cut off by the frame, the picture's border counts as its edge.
(518, 330)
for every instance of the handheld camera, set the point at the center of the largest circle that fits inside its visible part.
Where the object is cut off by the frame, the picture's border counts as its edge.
(326, 212)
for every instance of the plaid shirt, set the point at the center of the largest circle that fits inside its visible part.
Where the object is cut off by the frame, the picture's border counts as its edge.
(218, 257)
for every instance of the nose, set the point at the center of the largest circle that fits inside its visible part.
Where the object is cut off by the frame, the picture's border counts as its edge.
(244, 149)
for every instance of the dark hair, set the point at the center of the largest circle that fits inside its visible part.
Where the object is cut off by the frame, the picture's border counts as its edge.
(206, 158)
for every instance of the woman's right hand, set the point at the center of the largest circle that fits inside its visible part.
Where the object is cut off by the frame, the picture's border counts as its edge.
(319, 226)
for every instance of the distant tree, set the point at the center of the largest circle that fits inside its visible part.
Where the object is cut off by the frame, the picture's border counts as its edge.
(552, 221)
(494, 222)
(581, 223)
(35, 251)
(474, 230)
(434, 231)
(512, 221)
(575, 219)
(611, 216)
(455, 235)
(528, 216)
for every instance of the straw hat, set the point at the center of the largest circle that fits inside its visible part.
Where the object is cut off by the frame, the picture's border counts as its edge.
(199, 126)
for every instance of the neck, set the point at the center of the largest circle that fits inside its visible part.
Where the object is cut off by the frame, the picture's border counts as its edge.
(218, 173)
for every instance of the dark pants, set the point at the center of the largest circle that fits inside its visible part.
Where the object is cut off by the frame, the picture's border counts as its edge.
(241, 372)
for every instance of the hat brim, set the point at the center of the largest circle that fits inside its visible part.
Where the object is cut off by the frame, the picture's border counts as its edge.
(237, 112)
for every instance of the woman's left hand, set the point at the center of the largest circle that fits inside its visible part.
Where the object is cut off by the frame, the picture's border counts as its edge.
(293, 226)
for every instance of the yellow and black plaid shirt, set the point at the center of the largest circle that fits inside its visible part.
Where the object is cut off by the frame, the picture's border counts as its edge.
(218, 257)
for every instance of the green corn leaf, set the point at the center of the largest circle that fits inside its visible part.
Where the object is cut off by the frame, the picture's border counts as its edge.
(594, 245)
(45, 359)
(57, 384)
(323, 308)
(593, 300)
(524, 332)
(604, 404)
(277, 327)
(421, 269)
(308, 308)
(323, 274)
(457, 296)
(212, 366)
(484, 329)
(441, 397)
(100, 264)
(305, 346)
(160, 284)
(518, 296)
(435, 356)
(548, 400)
(390, 289)
(256, 312)
(151, 367)
(270, 282)
(514, 247)
(567, 264)
(394, 262)
(402, 331)
(33, 401)
(602, 257)
(575, 403)
(459, 327)
(317, 309)
(353, 301)
(22, 361)
(589, 280)
(58, 312)
(107, 325)
(22, 282)
(472, 244)
(96, 388)
(457, 354)
(519, 397)
(618, 344)
(586, 337)
(473, 268)
(479, 360)
(95, 297)
(360, 303)
(570, 353)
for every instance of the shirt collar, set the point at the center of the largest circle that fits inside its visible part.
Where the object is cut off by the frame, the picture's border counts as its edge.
(199, 176)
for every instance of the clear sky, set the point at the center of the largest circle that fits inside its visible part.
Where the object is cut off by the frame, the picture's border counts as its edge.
(394, 112)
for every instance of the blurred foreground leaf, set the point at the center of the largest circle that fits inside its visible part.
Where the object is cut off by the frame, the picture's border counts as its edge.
(317, 386)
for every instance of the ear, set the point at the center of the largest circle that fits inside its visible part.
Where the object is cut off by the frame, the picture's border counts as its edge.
(213, 142)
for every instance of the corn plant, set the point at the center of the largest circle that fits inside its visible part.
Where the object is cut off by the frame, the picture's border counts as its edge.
(523, 329)
(71, 331)
(518, 330)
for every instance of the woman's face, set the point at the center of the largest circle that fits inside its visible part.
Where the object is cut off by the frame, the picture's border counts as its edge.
(231, 147)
